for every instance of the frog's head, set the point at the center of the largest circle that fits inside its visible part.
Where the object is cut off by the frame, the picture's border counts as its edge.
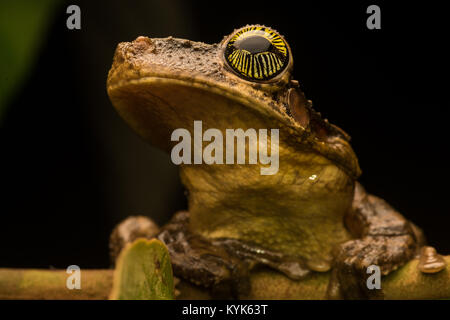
(245, 81)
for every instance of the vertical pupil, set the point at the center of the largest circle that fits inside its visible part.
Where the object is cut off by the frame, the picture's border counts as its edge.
(253, 44)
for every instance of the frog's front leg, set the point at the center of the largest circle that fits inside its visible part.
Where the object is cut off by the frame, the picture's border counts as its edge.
(384, 238)
(221, 266)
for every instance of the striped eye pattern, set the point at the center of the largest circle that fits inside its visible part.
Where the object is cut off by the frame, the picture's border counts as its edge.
(257, 53)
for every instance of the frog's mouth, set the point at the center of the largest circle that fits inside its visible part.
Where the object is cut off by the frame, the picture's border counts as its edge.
(159, 85)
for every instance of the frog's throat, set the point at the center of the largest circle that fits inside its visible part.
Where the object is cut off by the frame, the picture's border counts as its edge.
(154, 106)
(298, 211)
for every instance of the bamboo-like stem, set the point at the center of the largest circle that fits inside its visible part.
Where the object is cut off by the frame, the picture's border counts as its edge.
(406, 283)
(38, 284)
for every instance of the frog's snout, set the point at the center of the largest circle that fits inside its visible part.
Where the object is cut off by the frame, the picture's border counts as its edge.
(128, 50)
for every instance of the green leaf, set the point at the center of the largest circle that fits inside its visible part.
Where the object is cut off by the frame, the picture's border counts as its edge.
(143, 272)
(23, 28)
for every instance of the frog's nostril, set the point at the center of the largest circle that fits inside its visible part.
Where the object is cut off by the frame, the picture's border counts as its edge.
(143, 40)
(143, 44)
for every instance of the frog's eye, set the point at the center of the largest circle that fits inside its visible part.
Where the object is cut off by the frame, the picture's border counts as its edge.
(256, 53)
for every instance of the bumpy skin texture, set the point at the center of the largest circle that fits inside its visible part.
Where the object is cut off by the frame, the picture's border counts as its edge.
(221, 265)
(299, 220)
(385, 239)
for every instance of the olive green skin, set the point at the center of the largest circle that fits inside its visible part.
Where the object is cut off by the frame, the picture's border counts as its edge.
(305, 212)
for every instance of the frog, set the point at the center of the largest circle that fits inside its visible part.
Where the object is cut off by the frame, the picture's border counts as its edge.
(312, 216)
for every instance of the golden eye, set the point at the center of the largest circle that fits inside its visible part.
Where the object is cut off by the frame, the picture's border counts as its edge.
(256, 53)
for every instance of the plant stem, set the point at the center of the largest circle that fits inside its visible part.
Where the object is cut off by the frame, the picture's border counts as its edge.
(406, 283)
(51, 284)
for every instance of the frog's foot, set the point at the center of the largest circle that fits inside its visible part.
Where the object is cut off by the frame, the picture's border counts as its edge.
(351, 269)
(220, 265)
(430, 261)
(127, 231)
(385, 239)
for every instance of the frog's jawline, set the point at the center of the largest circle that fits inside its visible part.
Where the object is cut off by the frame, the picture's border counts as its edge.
(337, 150)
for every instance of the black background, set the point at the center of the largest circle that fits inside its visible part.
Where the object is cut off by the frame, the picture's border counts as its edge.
(173, 309)
(71, 169)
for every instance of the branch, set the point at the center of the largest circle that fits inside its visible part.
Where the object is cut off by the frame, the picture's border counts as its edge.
(405, 283)
(51, 284)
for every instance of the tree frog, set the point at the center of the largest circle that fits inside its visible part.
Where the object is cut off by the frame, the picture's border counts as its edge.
(311, 216)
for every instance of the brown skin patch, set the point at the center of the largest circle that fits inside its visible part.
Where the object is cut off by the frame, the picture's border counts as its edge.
(297, 106)
(221, 265)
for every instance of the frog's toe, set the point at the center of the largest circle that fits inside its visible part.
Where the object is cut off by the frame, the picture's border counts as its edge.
(430, 261)
(349, 275)
(356, 256)
(129, 230)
